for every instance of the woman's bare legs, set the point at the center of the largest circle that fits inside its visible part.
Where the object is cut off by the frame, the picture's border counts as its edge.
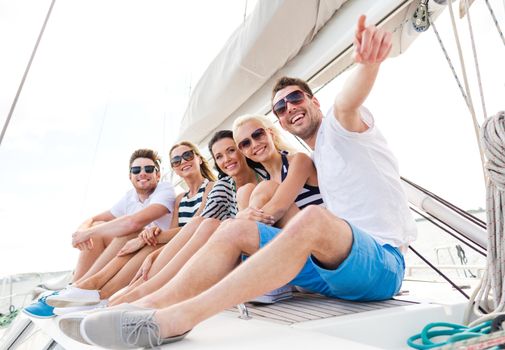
(199, 238)
(168, 252)
(127, 272)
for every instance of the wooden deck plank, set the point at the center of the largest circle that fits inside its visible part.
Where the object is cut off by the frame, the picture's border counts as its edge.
(305, 307)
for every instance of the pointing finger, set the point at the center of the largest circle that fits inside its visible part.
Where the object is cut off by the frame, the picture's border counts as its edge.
(361, 27)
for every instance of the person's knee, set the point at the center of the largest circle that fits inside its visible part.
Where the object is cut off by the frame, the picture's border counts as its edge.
(244, 194)
(240, 233)
(263, 192)
(319, 220)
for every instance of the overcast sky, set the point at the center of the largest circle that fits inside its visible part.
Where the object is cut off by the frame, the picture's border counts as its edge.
(113, 76)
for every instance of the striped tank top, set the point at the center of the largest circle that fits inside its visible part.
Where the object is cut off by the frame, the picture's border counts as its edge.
(189, 206)
(309, 195)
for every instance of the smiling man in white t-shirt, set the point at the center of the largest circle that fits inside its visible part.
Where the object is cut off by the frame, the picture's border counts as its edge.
(149, 203)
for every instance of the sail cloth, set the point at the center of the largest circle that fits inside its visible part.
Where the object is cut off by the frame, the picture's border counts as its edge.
(251, 56)
(283, 37)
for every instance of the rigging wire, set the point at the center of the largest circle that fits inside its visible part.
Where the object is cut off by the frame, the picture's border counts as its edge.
(443, 275)
(500, 32)
(470, 243)
(448, 204)
(475, 58)
(476, 125)
(449, 61)
(25, 74)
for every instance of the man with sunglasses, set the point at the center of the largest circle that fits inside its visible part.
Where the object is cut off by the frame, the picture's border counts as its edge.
(149, 203)
(351, 250)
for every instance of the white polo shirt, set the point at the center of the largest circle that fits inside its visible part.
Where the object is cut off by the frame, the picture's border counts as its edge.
(164, 194)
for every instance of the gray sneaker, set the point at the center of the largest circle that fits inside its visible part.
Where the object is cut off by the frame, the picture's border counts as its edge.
(70, 324)
(119, 329)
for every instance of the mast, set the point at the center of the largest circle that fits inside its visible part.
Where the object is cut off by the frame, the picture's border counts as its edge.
(27, 69)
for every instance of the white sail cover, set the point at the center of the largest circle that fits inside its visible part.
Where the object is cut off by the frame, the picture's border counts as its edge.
(251, 56)
(310, 39)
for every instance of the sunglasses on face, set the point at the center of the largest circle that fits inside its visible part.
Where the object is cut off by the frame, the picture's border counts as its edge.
(177, 160)
(295, 98)
(149, 169)
(256, 135)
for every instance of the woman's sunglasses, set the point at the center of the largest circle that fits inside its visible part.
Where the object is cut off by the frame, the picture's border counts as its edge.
(177, 160)
(149, 169)
(295, 98)
(257, 135)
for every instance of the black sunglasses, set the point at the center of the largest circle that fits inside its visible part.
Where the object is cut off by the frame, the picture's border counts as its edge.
(149, 169)
(177, 160)
(295, 98)
(256, 135)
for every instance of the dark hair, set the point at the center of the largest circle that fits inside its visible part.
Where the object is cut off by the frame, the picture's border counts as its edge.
(204, 167)
(283, 82)
(227, 134)
(146, 153)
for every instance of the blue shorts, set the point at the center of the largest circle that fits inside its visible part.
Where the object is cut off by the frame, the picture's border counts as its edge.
(370, 272)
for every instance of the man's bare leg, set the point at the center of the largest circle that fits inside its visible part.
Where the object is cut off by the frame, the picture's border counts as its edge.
(118, 272)
(112, 247)
(199, 238)
(315, 231)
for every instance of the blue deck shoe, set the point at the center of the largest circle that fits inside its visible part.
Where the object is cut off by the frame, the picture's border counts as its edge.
(40, 309)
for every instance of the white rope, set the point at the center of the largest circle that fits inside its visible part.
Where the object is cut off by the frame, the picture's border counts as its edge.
(476, 60)
(490, 294)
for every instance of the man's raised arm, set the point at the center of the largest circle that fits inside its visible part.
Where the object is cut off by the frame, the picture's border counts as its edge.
(371, 47)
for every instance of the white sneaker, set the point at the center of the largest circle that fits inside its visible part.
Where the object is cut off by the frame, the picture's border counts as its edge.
(73, 296)
(67, 310)
(282, 293)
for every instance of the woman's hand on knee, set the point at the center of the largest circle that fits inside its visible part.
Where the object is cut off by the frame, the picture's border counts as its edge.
(131, 246)
(144, 269)
(255, 214)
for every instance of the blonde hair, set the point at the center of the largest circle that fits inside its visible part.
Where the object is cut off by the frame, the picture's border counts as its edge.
(279, 142)
(204, 167)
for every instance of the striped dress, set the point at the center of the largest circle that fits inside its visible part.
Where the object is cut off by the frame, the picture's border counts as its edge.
(189, 206)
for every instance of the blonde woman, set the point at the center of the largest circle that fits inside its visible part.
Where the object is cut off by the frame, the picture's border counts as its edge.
(292, 181)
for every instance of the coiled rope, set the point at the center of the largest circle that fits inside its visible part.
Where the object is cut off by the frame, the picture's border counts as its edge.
(490, 294)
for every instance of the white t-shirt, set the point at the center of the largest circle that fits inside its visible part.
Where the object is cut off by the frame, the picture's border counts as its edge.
(359, 180)
(164, 194)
